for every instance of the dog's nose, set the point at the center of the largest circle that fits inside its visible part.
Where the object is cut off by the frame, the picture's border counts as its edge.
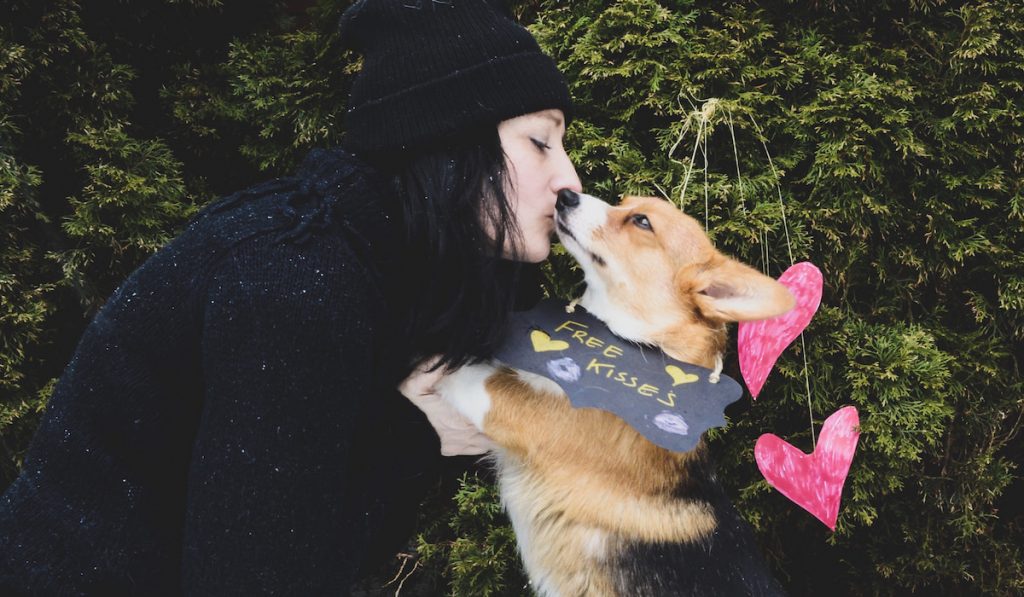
(566, 199)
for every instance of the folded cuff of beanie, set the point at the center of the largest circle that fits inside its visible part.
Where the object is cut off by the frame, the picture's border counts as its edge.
(450, 106)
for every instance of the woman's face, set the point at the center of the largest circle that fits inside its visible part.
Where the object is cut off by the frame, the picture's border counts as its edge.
(538, 169)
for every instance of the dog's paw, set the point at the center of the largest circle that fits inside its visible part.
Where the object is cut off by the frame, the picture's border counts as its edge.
(716, 373)
(466, 391)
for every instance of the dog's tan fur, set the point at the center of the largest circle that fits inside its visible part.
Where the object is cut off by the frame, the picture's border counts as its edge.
(556, 442)
(580, 484)
(583, 499)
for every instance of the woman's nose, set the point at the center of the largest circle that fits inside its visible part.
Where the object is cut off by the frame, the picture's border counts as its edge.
(566, 178)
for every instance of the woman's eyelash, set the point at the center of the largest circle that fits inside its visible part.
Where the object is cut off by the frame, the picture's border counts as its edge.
(540, 144)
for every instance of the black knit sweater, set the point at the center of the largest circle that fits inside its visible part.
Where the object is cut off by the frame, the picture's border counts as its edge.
(228, 424)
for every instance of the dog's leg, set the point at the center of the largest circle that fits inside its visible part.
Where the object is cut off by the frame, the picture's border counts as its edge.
(465, 389)
(716, 374)
(559, 554)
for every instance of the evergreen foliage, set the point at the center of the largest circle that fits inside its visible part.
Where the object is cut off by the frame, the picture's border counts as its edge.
(896, 137)
(896, 134)
(479, 553)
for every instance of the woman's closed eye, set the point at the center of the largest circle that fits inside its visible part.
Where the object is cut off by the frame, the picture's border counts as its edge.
(540, 144)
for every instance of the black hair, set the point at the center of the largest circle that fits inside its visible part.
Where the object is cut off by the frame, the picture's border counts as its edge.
(458, 219)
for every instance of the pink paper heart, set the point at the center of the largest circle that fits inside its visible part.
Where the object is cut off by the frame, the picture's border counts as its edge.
(813, 481)
(759, 343)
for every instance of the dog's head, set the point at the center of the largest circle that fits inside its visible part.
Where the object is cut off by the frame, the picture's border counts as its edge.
(651, 272)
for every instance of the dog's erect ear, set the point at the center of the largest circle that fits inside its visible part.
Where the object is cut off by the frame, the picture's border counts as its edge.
(726, 290)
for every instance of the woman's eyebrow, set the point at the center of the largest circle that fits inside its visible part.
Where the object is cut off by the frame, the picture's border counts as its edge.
(555, 119)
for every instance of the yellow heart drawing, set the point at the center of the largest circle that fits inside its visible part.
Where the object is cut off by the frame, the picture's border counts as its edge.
(543, 342)
(679, 376)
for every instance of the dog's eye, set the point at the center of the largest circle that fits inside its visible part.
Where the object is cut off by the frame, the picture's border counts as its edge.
(641, 221)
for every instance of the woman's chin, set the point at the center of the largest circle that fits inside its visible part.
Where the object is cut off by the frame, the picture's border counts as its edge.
(535, 253)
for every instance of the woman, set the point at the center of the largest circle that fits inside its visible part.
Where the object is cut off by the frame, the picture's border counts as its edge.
(229, 423)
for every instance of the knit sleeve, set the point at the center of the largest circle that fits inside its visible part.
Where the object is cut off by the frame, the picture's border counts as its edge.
(287, 369)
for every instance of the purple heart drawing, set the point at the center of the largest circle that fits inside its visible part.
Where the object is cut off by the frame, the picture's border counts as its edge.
(759, 343)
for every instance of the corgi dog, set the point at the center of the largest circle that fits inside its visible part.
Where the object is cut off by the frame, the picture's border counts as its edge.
(597, 509)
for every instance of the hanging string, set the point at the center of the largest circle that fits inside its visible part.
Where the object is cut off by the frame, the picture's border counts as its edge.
(707, 209)
(662, 191)
(736, 155)
(763, 237)
(778, 187)
(703, 117)
(789, 249)
(693, 157)
(807, 387)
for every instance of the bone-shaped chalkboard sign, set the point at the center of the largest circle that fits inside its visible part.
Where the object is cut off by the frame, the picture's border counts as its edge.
(670, 402)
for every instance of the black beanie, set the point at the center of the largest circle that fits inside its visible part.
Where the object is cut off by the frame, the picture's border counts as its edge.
(433, 70)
